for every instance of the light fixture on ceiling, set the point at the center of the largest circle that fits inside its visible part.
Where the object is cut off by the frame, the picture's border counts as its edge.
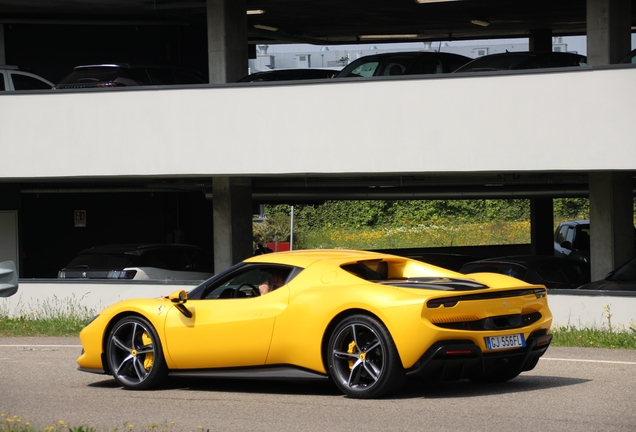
(255, 12)
(265, 27)
(390, 36)
(482, 23)
(433, 1)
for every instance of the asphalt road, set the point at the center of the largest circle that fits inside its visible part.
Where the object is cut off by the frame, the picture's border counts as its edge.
(577, 389)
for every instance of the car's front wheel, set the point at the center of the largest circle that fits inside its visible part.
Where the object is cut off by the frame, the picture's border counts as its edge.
(363, 360)
(134, 354)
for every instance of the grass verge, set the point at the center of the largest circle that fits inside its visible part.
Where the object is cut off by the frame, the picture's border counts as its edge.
(18, 424)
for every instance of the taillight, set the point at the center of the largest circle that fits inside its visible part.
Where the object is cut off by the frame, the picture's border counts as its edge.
(446, 302)
(121, 274)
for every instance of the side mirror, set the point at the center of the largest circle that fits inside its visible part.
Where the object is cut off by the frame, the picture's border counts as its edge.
(8, 279)
(178, 298)
(566, 245)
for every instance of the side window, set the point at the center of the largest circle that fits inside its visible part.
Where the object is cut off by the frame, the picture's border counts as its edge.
(562, 234)
(365, 69)
(244, 282)
(25, 82)
(569, 235)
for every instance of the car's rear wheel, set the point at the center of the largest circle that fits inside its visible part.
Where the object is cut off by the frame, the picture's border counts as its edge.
(363, 360)
(134, 354)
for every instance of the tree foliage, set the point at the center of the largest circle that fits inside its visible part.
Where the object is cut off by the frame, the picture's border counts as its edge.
(377, 214)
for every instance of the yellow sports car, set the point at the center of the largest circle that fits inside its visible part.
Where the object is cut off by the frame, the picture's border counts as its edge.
(368, 321)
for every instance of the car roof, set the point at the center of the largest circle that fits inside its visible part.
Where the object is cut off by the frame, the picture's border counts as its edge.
(575, 222)
(486, 62)
(306, 257)
(126, 66)
(413, 54)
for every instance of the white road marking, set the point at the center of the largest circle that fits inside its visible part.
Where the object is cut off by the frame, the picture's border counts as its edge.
(589, 361)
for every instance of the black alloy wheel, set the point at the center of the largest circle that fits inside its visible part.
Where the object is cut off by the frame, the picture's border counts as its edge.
(363, 360)
(134, 354)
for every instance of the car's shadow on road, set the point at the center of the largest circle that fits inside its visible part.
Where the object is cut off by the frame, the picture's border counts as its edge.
(413, 388)
(466, 388)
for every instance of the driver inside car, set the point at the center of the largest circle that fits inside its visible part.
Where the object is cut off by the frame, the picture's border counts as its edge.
(269, 282)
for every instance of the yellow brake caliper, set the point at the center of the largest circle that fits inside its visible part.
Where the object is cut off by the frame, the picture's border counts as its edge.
(150, 357)
(351, 350)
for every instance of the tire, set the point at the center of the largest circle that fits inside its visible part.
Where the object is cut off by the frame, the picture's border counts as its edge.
(363, 360)
(134, 354)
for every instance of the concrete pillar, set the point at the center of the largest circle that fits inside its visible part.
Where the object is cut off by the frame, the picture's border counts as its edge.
(611, 221)
(542, 226)
(608, 31)
(232, 218)
(540, 40)
(227, 40)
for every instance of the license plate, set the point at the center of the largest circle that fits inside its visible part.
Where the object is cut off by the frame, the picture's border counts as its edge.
(509, 341)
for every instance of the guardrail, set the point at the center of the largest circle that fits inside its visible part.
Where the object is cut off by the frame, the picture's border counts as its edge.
(580, 309)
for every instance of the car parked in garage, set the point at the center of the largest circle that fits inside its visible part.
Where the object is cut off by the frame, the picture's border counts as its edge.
(14, 79)
(141, 262)
(572, 240)
(553, 272)
(8, 279)
(621, 279)
(403, 63)
(520, 60)
(126, 75)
